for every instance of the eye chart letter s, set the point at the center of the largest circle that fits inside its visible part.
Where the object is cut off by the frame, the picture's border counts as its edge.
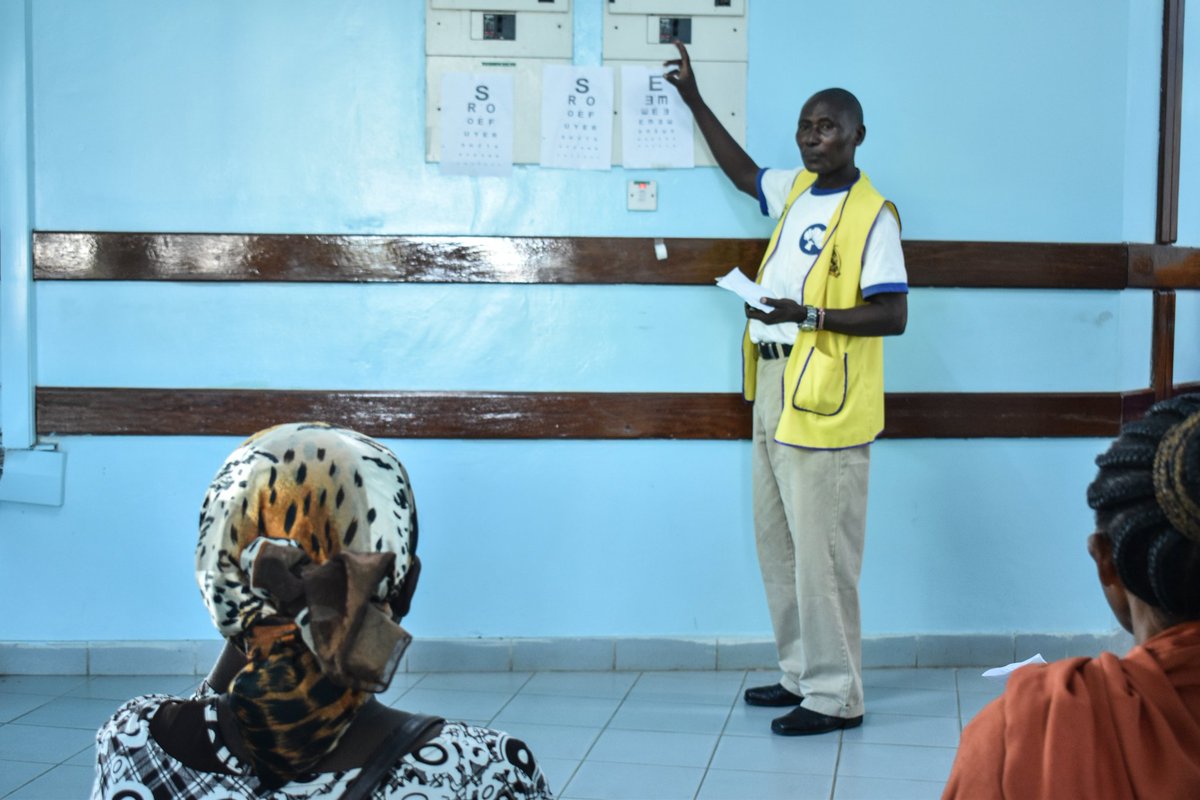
(477, 124)
(577, 117)
(656, 126)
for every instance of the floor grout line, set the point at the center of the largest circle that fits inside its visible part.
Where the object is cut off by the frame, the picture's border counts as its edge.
(649, 685)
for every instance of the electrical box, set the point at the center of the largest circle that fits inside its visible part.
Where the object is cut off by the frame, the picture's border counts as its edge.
(499, 28)
(516, 36)
(643, 31)
(642, 196)
(502, 5)
(691, 8)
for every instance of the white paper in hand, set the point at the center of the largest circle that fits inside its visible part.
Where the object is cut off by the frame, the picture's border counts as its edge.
(737, 282)
(1003, 672)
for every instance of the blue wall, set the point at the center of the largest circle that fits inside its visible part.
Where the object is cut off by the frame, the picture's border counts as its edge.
(297, 116)
(1027, 124)
(1189, 161)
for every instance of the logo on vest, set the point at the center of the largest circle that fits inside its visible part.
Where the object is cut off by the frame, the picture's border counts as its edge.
(835, 263)
(811, 239)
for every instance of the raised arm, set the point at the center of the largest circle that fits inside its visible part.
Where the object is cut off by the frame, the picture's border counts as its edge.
(731, 158)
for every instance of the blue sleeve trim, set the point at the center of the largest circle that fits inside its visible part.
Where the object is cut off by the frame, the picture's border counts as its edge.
(885, 288)
(762, 200)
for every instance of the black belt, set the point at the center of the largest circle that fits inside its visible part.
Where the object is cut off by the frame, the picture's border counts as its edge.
(773, 350)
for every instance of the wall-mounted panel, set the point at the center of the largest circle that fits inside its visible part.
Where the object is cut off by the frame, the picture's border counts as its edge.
(506, 29)
(518, 37)
(682, 8)
(642, 33)
(649, 36)
(501, 5)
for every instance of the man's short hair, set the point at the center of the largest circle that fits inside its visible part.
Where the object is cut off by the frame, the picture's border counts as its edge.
(842, 100)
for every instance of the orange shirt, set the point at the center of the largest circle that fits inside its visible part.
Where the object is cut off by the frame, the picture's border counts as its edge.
(1106, 728)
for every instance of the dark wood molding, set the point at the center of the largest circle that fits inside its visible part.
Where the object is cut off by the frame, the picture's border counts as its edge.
(415, 415)
(548, 415)
(566, 260)
(1162, 349)
(399, 259)
(1016, 265)
(1154, 266)
(1170, 116)
(971, 415)
(1135, 404)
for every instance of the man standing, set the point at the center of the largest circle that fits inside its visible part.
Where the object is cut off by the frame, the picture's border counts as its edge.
(834, 278)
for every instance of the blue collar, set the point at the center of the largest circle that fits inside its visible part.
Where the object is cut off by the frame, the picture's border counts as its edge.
(838, 189)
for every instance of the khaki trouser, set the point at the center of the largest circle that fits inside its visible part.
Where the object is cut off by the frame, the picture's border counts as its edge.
(810, 525)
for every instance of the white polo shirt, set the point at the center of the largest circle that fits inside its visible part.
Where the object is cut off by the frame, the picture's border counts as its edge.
(801, 241)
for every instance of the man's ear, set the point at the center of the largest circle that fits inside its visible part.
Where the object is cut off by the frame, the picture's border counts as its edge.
(861, 135)
(402, 602)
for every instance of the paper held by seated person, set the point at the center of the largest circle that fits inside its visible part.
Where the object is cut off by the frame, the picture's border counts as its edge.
(736, 281)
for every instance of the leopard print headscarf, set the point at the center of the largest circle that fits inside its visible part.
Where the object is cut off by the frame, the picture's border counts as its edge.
(306, 535)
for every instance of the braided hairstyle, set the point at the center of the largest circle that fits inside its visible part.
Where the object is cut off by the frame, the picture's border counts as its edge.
(1147, 502)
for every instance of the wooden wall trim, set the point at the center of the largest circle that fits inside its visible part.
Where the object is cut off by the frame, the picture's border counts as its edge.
(1162, 348)
(401, 259)
(549, 415)
(1170, 117)
(415, 415)
(565, 260)
(1154, 266)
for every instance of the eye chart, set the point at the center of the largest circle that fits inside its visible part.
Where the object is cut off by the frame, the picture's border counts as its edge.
(656, 126)
(577, 117)
(477, 124)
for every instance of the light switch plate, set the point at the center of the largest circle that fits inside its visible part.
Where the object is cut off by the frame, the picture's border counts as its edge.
(643, 196)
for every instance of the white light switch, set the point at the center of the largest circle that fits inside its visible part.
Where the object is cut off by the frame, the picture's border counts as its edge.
(643, 196)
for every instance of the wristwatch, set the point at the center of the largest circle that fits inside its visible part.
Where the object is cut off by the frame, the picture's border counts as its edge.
(811, 315)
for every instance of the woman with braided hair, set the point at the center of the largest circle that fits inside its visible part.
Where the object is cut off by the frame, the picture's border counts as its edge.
(1109, 727)
(306, 562)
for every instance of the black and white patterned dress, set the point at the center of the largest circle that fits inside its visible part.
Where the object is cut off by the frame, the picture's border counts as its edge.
(463, 762)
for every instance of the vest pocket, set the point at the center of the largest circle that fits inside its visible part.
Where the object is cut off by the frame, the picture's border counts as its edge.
(821, 387)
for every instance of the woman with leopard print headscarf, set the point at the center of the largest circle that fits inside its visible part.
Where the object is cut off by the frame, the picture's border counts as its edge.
(306, 562)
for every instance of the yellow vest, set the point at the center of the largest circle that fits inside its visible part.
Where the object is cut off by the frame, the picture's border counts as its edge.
(833, 382)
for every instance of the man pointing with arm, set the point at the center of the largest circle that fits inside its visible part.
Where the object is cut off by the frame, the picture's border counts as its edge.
(834, 277)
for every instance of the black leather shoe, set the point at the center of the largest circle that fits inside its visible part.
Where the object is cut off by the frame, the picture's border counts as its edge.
(805, 722)
(773, 695)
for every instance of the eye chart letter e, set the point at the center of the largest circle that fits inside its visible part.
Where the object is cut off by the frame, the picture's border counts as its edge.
(477, 123)
(656, 126)
(577, 117)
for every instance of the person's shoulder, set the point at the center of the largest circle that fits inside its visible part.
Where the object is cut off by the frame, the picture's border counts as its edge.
(864, 187)
(141, 708)
(497, 741)
(1056, 673)
(775, 188)
(782, 173)
(1064, 684)
(512, 762)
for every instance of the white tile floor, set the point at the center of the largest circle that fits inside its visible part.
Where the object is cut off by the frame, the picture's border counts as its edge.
(599, 736)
